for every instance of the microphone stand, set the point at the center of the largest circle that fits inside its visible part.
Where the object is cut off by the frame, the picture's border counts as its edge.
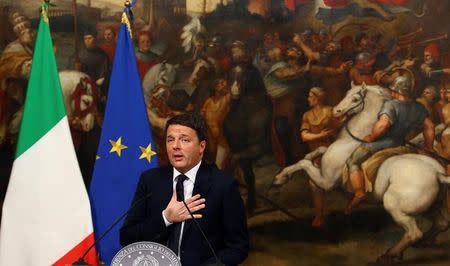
(81, 261)
(218, 262)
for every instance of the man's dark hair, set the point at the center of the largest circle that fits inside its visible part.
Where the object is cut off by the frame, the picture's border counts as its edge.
(192, 120)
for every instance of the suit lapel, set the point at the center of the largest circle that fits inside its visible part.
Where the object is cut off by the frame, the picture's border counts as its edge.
(202, 180)
(167, 188)
(202, 185)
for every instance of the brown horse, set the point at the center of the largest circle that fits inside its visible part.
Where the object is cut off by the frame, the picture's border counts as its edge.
(247, 125)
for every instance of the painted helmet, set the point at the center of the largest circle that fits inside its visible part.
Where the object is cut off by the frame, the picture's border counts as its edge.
(363, 57)
(402, 85)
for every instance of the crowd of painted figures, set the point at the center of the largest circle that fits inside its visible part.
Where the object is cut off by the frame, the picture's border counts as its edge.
(270, 96)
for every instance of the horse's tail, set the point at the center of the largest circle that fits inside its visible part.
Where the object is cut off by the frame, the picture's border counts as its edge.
(444, 179)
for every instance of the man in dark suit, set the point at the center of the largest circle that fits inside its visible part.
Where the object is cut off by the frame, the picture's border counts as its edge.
(210, 194)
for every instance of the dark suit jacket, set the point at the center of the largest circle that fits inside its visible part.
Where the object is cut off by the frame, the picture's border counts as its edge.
(224, 221)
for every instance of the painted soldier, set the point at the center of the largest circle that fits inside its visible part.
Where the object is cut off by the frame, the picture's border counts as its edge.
(396, 119)
(218, 56)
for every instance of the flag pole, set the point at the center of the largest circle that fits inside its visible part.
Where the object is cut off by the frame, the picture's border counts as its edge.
(75, 31)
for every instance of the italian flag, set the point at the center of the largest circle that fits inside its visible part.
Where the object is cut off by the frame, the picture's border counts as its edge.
(46, 217)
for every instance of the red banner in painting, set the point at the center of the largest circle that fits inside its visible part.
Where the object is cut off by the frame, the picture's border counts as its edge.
(292, 4)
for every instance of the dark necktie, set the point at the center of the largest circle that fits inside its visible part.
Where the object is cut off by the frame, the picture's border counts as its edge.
(180, 187)
(174, 238)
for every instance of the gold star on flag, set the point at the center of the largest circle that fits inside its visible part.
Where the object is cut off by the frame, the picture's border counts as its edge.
(117, 146)
(147, 153)
(97, 157)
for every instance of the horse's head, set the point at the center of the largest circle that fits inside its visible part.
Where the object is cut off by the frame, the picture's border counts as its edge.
(356, 98)
(161, 75)
(166, 75)
(84, 95)
(87, 85)
(352, 103)
(201, 69)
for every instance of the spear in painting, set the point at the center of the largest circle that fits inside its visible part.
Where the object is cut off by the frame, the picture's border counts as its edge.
(75, 31)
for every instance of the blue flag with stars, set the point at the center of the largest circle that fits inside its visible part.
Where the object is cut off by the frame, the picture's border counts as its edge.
(126, 146)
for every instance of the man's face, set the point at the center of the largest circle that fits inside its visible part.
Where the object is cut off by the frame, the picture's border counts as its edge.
(292, 53)
(313, 100)
(366, 65)
(109, 35)
(221, 87)
(443, 94)
(273, 54)
(27, 37)
(428, 94)
(395, 95)
(199, 44)
(144, 43)
(183, 147)
(364, 42)
(237, 54)
(276, 36)
(268, 40)
(331, 48)
(427, 58)
(447, 94)
(89, 41)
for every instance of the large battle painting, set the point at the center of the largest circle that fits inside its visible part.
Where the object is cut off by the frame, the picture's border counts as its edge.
(334, 115)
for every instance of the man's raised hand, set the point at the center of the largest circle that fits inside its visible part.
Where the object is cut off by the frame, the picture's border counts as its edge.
(176, 212)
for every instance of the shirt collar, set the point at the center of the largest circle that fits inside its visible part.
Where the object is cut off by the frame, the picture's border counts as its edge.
(191, 174)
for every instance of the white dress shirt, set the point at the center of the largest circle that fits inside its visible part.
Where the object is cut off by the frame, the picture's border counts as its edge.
(188, 188)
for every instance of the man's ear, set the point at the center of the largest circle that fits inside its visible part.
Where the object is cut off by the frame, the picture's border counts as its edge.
(203, 145)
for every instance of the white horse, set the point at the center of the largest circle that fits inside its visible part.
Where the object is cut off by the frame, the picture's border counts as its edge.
(164, 77)
(69, 81)
(157, 80)
(401, 180)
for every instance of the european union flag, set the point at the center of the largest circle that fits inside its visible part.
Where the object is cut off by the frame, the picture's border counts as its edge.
(126, 146)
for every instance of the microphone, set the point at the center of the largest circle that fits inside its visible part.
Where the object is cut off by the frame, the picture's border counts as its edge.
(218, 262)
(81, 261)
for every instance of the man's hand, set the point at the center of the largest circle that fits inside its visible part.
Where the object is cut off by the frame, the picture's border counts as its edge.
(368, 138)
(346, 66)
(176, 212)
(409, 62)
(326, 133)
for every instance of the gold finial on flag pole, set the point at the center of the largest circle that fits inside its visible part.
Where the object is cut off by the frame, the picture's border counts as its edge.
(44, 10)
(125, 18)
